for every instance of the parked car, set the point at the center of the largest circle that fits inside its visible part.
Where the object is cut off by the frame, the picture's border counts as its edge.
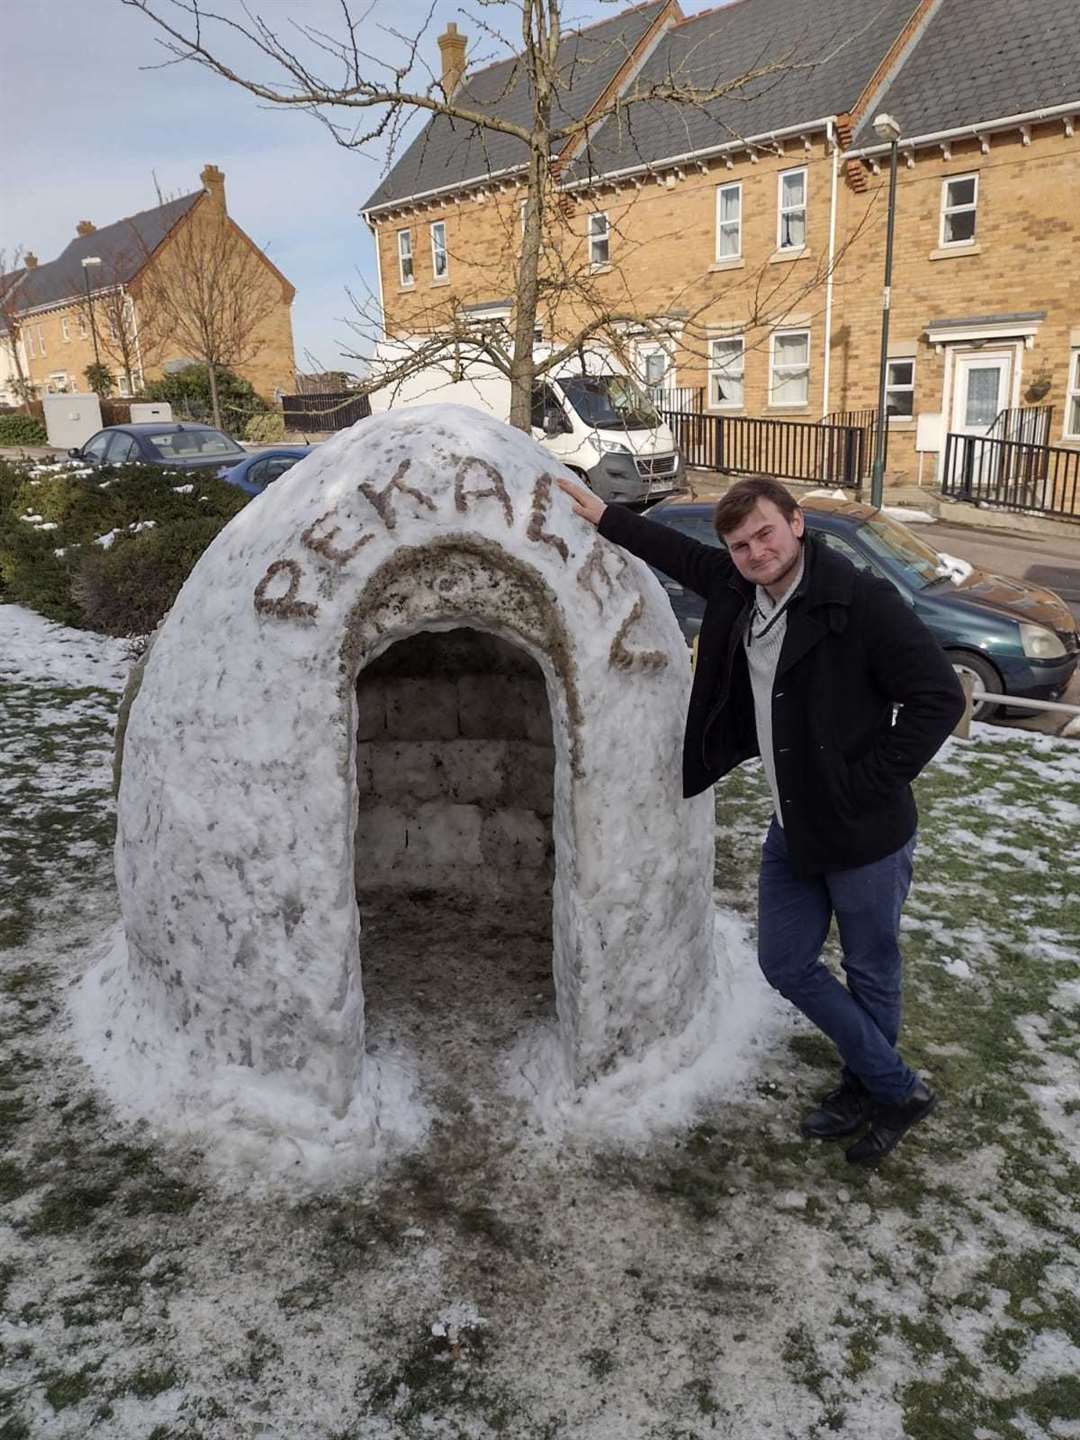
(259, 469)
(1014, 638)
(156, 442)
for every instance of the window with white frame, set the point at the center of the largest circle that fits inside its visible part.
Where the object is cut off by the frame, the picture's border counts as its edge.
(791, 210)
(959, 201)
(727, 358)
(1072, 398)
(84, 328)
(599, 241)
(789, 378)
(41, 339)
(65, 329)
(900, 389)
(728, 222)
(28, 342)
(440, 260)
(405, 257)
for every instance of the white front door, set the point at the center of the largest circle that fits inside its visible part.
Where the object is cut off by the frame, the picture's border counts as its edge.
(981, 390)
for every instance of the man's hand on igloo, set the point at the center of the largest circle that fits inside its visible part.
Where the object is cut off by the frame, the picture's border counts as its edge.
(589, 506)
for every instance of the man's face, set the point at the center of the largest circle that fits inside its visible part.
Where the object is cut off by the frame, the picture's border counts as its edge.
(765, 546)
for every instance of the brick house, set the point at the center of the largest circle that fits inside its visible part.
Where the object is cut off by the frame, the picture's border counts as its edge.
(749, 232)
(55, 334)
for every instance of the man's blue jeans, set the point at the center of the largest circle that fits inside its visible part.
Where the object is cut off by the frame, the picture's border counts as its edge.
(861, 1018)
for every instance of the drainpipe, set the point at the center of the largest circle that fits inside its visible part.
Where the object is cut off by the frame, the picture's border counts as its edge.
(378, 277)
(832, 142)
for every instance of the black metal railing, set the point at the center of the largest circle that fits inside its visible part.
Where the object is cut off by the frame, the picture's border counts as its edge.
(786, 449)
(1014, 474)
(865, 419)
(329, 411)
(1026, 425)
(677, 397)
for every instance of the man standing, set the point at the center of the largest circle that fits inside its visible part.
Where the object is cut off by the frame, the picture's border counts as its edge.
(802, 660)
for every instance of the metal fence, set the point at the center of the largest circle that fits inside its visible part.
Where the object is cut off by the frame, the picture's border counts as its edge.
(786, 449)
(1028, 425)
(335, 410)
(1014, 474)
(677, 397)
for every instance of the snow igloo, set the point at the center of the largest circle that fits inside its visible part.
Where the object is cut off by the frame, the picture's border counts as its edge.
(405, 695)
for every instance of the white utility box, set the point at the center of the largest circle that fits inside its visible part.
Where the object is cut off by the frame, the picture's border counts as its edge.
(70, 420)
(144, 411)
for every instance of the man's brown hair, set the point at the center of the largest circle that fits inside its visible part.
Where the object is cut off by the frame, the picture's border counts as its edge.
(734, 507)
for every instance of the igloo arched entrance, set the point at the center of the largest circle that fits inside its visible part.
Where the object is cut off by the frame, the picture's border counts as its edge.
(239, 812)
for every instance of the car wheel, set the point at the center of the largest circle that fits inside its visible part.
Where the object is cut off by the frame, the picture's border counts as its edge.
(966, 662)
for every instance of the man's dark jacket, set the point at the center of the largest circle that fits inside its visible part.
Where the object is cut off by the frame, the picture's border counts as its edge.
(853, 650)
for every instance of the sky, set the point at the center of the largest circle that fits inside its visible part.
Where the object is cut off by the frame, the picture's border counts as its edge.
(100, 119)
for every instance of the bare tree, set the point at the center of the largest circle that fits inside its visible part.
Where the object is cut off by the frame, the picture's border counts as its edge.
(207, 291)
(11, 276)
(363, 99)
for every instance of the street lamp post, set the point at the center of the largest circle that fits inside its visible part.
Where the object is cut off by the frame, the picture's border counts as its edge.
(887, 128)
(90, 263)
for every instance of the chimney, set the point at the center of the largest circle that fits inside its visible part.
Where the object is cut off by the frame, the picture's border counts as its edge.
(214, 184)
(30, 260)
(85, 227)
(452, 47)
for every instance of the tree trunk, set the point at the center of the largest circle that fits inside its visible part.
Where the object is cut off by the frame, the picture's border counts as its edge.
(215, 406)
(523, 365)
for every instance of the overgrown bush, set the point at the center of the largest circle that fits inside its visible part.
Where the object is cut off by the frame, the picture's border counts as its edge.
(128, 588)
(265, 429)
(22, 430)
(188, 392)
(53, 516)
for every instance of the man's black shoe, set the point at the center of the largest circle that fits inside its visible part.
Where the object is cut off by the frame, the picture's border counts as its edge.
(841, 1112)
(890, 1124)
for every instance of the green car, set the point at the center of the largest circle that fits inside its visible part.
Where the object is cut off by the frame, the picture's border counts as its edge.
(1014, 638)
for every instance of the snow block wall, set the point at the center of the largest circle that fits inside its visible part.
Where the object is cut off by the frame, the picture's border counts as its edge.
(408, 637)
(455, 768)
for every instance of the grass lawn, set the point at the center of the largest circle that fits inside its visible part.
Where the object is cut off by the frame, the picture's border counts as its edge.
(730, 1280)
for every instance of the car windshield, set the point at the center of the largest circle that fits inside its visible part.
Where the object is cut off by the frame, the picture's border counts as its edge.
(192, 444)
(898, 547)
(697, 526)
(610, 402)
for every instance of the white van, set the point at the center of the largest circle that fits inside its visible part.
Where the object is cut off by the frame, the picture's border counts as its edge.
(588, 412)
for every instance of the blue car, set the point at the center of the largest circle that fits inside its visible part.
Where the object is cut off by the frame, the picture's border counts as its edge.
(1014, 638)
(161, 442)
(259, 469)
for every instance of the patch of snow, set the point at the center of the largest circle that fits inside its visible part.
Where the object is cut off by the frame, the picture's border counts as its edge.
(909, 514)
(458, 1318)
(668, 1088)
(35, 649)
(183, 489)
(960, 968)
(956, 569)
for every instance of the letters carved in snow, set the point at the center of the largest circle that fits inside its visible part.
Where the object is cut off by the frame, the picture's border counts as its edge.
(602, 576)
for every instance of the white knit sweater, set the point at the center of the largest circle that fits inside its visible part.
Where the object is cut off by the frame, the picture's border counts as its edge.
(763, 641)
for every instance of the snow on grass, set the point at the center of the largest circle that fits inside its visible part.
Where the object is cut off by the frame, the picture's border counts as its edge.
(596, 1281)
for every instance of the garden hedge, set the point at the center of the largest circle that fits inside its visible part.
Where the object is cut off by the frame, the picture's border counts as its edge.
(54, 518)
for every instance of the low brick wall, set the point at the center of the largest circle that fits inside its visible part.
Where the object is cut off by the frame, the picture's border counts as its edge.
(455, 767)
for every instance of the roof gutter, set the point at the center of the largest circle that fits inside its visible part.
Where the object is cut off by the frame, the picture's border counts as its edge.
(407, 200)
(963, 132)
(668, 161)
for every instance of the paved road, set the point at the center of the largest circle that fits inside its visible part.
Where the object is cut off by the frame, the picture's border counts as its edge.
(1053, 563)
